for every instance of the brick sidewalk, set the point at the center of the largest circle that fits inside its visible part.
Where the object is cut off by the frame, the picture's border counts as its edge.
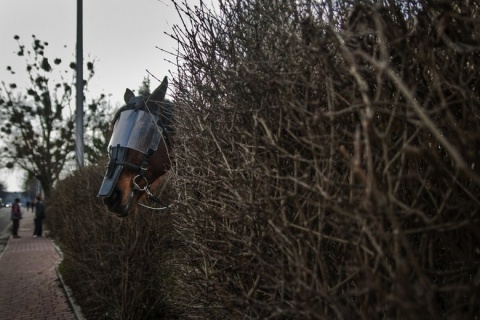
(29, 286)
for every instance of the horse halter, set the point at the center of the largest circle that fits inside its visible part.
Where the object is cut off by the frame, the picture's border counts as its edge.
(138, 129)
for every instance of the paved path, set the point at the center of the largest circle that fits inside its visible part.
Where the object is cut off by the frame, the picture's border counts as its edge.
(29, 286)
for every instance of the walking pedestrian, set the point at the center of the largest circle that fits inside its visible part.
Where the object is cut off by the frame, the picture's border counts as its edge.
(39, 216)
(15, 216)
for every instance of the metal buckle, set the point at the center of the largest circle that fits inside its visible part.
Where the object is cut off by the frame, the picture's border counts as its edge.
(137, 187)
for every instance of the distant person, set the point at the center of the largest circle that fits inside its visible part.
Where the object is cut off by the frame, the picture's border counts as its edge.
(39, 216)
(15, 216)
(28, 205)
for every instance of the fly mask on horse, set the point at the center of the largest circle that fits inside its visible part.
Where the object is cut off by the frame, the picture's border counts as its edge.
(139, 150)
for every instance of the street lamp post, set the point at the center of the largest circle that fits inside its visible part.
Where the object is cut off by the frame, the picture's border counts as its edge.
(79, 87)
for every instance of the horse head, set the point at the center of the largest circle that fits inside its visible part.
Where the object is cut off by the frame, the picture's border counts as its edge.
(139, 150)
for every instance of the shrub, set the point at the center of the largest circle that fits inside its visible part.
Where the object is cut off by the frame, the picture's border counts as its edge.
(117, 268)
(327, 167)
(327, 160)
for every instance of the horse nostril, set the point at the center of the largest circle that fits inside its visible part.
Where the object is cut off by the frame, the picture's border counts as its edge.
(114, 197)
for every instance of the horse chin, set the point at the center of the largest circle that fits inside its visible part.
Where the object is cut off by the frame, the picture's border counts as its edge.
(116, 204)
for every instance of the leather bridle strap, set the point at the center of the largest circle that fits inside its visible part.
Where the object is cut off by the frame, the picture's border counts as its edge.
(127, 164)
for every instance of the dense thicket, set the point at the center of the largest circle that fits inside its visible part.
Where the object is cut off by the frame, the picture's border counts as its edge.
(117, 269)
(327, 167)
(328, 160)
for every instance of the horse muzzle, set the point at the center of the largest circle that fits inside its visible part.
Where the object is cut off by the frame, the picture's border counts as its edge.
(114, 169)
(112, 196)
(115, 205)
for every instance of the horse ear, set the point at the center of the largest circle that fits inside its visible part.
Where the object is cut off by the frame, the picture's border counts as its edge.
(159, 93)
(128, 95)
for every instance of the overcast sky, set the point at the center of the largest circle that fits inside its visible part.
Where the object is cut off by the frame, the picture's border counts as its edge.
(121, 35)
